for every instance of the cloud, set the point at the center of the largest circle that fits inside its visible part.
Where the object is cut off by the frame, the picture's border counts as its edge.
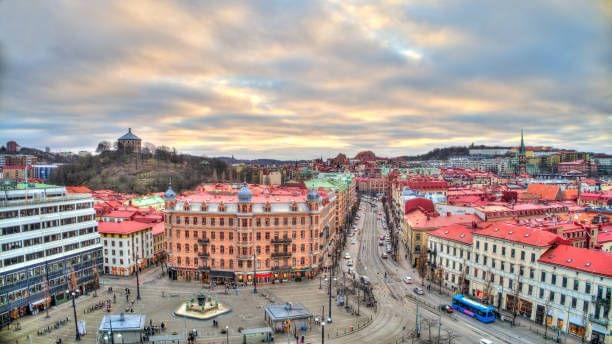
(288, 79)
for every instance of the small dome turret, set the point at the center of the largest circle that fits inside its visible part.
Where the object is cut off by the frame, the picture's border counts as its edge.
(244, 195)
(169, 194)
(313, 195)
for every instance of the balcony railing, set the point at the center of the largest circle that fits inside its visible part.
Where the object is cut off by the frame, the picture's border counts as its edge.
(204, 255)
(204, 241)
(243, 243)
(601, 321)
(245, 257)
(281, 240)
(281, 254)
(204, 268)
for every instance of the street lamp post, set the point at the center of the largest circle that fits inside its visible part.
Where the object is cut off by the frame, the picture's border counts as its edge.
(226, 334)
(76, 324)
(137, 280)
(323, 332)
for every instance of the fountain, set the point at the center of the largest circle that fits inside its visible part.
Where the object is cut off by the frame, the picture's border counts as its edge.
(204, 307)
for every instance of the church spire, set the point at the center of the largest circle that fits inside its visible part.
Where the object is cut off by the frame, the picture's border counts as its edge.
(522, 149)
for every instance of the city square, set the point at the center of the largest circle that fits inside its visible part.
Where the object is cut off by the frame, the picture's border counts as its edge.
(322, 171)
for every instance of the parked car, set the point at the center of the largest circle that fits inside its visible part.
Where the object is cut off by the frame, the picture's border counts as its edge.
(384, 256)
(347, 255)
(381, 243)
(418, 291)
(446, 308)
(485, 341)
(349, 263)
(407, 279)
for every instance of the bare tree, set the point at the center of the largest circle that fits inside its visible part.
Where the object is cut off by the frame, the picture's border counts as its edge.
(451, 336)
(103, 146)
(546, 309)
(515, 295)
(462, 277)
(422, 265)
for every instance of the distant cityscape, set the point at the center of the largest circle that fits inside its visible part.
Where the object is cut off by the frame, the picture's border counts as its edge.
(525, 230)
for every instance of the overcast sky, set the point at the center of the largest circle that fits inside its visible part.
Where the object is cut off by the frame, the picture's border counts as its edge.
(289, 79)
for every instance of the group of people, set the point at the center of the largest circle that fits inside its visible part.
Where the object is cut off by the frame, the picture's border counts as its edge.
(56, 325)
(98, 305)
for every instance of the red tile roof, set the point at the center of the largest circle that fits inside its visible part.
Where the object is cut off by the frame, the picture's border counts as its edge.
(545, 192)
(577, 258)
(605, 235)
(419, 203)
(456, 232)
(125, 227)
(419, 220)
(78, 189)
(521, 234)
(158, 228)
(122, 214)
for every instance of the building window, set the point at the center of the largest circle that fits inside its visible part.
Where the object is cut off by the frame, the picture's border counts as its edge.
(564, 282)
(576, 283)
(587, 288)
(522, 255)
(562, 299)
(574, 301)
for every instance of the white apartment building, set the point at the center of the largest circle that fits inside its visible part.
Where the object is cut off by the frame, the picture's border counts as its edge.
(49, 245)
(126, 245)
(567, 288)
(450, 250)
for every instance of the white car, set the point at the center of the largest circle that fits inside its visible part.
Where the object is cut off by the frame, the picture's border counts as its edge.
(353, 242)
(349, 263)
(347, 256)
(407, 279)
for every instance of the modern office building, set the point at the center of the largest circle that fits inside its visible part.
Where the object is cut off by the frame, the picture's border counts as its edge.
(49, 245)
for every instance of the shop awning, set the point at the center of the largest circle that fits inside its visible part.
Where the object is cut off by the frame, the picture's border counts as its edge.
(221, 273)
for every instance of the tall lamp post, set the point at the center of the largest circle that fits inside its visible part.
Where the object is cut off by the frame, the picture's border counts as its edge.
(226, 334)
(137, 280)
(73, 294)
(329, 318)
(323, 332)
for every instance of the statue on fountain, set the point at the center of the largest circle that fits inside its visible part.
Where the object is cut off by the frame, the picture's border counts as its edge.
(203, 307)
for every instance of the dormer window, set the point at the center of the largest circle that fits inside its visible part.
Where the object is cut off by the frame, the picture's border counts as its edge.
(267, 207)
(186, 206)
(221, 207)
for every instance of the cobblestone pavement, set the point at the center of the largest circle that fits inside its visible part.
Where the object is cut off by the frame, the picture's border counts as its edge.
(247, 310)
